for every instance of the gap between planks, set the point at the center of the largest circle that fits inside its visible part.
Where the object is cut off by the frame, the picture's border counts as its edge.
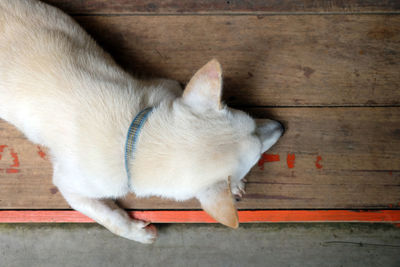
(255, 13)
(224, 7)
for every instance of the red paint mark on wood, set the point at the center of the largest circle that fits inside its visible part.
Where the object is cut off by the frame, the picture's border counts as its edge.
(197, 216)
(290, 160)
(12, 171)
(41, 153)
(14, 155)
(319, 166)
(390, 206)
(15, 164)
(267, 158)
(2, 150)
(390, 173)
(397, 225)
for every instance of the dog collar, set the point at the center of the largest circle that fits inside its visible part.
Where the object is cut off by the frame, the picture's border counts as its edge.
(132, 137)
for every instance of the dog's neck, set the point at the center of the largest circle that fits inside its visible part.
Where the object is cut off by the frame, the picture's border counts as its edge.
(153, 100)
(132, 138)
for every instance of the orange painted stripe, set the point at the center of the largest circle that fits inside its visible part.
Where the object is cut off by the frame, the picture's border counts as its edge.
(190, 216)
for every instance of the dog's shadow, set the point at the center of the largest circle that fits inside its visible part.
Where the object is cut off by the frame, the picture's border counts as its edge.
(148, 53)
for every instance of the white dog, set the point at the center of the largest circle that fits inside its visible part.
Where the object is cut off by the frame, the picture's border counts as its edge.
(64, 92)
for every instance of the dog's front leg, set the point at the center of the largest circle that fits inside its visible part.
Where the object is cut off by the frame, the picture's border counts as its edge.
(115, 219)
(238, 188)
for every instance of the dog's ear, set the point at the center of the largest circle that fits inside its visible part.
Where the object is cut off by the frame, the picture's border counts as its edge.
(205, 88)
(218, 202)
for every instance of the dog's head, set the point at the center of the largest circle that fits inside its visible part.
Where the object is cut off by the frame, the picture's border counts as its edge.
(200, 146)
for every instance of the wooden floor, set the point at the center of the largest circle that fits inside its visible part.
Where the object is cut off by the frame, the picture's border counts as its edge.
(329, 70)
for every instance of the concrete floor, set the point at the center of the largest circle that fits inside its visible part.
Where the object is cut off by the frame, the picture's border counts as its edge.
(203, 245)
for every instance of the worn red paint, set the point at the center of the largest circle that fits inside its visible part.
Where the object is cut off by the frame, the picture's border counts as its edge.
(41, 153)
(290, 160)
(267, 158)
(14, 155)
(319, 166)
(390, 206)
(15, 164)
(1, 150)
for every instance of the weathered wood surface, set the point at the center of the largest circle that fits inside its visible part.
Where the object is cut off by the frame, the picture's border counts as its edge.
(222, 6)
(336, 53)
(344, 158)
(327, 60)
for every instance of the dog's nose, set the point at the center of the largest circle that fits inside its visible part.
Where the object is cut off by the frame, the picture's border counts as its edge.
(269, 132)
(270, 127)
(281, 127)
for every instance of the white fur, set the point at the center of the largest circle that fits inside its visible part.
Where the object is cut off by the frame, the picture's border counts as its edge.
(64, 92)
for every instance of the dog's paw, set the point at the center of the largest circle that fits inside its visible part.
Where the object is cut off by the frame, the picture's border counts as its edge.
(238, 188)
(142, 232)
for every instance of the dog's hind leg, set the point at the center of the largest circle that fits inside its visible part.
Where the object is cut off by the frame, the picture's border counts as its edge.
(115, 219)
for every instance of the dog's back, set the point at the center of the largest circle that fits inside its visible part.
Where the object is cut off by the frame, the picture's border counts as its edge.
(49, 69)
(64, 92)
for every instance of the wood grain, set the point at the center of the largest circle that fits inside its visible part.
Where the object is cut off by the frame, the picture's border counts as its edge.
(358, 168)
(327, 60)
(330, 69)
(221, 6)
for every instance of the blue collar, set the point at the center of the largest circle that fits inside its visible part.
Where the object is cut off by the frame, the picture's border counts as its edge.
(132, 137)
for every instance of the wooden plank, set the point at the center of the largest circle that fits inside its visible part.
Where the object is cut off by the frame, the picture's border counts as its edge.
(344, 158)
(327, 60)
(245, 216)
(221, 6)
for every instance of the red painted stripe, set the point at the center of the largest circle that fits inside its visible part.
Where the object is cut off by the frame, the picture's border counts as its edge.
(245, 216)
